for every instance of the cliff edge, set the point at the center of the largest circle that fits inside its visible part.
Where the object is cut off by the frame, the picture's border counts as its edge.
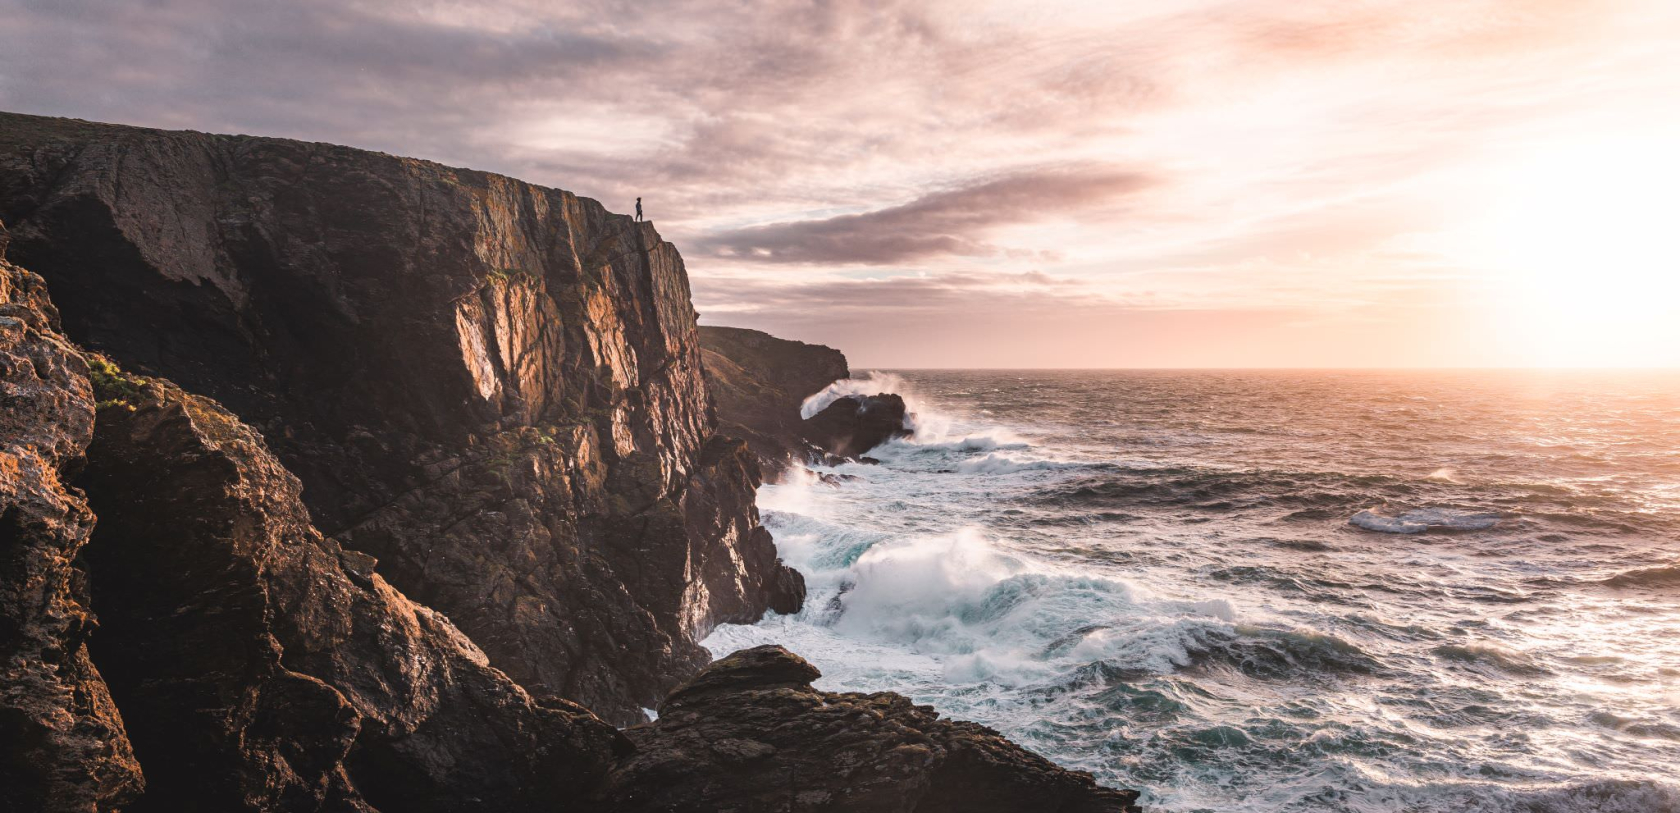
(494, 388)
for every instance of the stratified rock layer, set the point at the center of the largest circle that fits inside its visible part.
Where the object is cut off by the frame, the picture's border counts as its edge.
(494, 388)
(62, 744)
(751, 734)
(259, 666)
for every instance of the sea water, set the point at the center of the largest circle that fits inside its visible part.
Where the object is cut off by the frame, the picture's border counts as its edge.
(1268, 591)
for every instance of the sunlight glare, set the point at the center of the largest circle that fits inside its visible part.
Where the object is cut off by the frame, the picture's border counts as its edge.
(1582, 240)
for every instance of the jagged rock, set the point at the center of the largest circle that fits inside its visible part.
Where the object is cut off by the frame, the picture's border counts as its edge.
(751, 734)
(850, 426)
(261, 667)
(759, 382)
(62, 743)
(493, 388)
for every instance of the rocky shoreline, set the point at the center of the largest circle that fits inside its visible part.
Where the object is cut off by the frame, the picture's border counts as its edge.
(331, 480)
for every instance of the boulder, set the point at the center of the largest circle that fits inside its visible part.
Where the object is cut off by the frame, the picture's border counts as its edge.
(750, 733)
(852, 425)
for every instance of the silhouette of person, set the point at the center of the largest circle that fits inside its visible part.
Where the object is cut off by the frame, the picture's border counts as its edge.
(638, 210)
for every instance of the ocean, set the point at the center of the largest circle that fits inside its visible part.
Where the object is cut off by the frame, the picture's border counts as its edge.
(1268, 591)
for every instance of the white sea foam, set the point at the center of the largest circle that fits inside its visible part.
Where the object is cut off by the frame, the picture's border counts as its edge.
(1216, 651)
(870, 383)
(1000, 464)
(1420, 520)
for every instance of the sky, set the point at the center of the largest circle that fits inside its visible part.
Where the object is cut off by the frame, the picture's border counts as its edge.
(1175, 183)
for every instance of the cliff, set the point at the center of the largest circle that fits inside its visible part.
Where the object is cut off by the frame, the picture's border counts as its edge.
(62, 741)
(259, 665)
(491, 387)
(759, 382)
(508, 496)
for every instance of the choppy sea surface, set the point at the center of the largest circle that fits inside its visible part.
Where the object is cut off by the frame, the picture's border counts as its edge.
(1269, 591)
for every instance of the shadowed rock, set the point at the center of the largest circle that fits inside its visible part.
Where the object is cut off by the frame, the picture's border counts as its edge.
(852, 425)
(750, 734)
(260, 666)
(62, 743)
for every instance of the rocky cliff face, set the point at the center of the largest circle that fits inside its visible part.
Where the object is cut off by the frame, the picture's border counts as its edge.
(759, 381)
(62, 743)
(493, 388)
(260, 666)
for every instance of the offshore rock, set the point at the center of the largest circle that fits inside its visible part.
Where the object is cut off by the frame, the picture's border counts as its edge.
(852, 425)
(62, 743)
(260, 666)
(759, 382)
(751, 734)
(492, 388)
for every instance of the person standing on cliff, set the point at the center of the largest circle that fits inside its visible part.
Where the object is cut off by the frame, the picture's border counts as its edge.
(638, 210)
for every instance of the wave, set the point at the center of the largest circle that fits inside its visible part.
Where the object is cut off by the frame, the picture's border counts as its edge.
(870, 383)
(1422, 520)
(1665, 576)
(999, 464)
(1505, 660)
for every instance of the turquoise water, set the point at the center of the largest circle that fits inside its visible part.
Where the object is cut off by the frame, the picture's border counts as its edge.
(1269, 591)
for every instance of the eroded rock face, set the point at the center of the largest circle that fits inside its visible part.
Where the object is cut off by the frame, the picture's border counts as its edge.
(260, 666)
(494, 388)
(62, 743)
(852, 425)
(751, 734)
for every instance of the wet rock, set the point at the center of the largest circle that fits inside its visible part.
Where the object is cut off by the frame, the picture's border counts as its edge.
(62, 742)
(852, 425)
(750, 733)
(259, 666)
(493, 388)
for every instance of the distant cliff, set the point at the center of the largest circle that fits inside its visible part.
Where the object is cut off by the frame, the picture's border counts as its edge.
(390, 487)
(760, 383)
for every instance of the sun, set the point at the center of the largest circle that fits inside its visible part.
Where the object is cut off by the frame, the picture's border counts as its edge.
(1582, 241)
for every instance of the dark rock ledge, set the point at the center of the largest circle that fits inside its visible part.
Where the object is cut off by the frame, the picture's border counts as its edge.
(750, 734)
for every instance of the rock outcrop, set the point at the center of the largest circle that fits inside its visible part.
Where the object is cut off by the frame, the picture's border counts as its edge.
(62, 743)
(750, 734)
(494, 388)
(851, 425)
(260, 666)
(759, 382)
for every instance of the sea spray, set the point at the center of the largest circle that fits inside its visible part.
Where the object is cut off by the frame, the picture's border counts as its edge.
(1153, 576)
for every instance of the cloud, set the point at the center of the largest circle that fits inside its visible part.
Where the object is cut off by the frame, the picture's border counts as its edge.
(1155, 156)
(950, 222)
